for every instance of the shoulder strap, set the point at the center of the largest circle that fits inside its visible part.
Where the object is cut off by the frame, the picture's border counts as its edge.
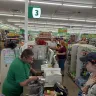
(92, 85)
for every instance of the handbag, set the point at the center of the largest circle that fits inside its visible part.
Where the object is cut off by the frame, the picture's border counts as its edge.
(62, 91)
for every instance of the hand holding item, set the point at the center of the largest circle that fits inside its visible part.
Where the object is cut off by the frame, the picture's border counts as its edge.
(85, 89)
(57, 53)
(33, 78)
(39, 73)
(91, 81)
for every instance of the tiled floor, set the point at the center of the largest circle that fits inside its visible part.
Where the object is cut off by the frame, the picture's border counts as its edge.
(72, 88)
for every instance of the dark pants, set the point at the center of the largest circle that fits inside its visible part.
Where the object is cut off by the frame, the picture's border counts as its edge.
(61, 63)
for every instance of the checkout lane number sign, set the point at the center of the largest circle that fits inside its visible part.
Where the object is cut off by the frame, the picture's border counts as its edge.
(34, 12)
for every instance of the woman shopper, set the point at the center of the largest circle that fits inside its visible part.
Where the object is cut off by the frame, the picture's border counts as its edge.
(18, 74)
(90, 87)
(61, 55)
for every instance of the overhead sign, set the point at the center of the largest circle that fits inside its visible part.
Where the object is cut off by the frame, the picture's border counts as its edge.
(62, 30)
(34, 12)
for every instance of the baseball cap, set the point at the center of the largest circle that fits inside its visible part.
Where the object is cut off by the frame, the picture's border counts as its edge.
(89, 57)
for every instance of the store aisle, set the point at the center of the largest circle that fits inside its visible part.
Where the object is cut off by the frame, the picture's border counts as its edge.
(72, 88)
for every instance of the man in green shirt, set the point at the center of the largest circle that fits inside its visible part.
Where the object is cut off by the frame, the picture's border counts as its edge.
(18, 74)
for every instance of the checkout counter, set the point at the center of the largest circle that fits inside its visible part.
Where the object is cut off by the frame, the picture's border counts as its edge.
(44, 60)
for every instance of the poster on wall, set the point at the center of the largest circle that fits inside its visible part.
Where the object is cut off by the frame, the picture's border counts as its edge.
(8, 56)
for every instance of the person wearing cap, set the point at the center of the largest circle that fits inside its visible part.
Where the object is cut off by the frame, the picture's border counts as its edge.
(90, 86)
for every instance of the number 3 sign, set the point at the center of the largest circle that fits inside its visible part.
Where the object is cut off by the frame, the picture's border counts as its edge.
(34, 12)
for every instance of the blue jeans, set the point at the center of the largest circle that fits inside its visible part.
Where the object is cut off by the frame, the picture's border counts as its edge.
(61, 64)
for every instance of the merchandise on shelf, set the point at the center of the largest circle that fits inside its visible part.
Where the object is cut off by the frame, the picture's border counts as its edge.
(12, 35)
(78, 71)
(85, 49)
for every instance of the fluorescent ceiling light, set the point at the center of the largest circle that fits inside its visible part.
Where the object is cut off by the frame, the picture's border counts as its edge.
(76, 29)
(6, 15)
(54, 18)
(46, 3)
(19, 0)
(90, 21)
(60, 18)
(77, 25)
(81, 6)
(18, 24)
(45, 17)
(67, 5)
(17, 21)
(11, 15)
(76, 20)
(53, 25)
(89, 26)
(39, 23)
(94, 7)
(18, 15)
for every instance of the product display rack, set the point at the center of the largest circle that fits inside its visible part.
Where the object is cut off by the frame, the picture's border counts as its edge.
(81, 75)
(13, 37)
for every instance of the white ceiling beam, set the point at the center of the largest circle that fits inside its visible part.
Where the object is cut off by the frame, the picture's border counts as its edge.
(49, 18)
(78, 5)
(64, 4)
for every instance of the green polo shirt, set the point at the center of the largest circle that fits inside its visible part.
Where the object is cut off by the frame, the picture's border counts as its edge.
(18, 72)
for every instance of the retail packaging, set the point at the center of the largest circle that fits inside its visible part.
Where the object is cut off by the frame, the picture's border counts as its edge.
(52, 75)
(83, 49)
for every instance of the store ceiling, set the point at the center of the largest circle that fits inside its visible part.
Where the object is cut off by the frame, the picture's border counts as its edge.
(55, 13)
